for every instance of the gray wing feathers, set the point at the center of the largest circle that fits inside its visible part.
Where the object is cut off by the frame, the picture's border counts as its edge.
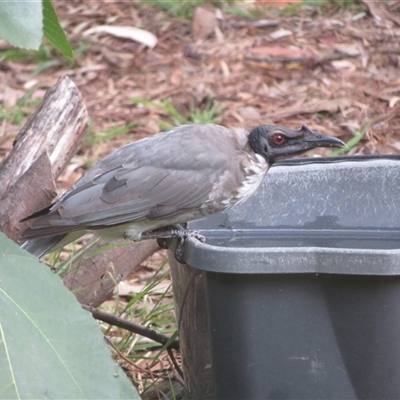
(145, 180)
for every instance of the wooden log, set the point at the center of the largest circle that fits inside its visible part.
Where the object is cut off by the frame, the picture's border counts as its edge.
(23, 196)
(42, 150)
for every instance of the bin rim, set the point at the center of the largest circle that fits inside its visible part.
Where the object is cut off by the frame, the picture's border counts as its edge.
(336, 159)
(290, 260)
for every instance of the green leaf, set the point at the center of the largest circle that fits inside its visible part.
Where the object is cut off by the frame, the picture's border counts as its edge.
(49, 346)
(21, 23)
(53, 31)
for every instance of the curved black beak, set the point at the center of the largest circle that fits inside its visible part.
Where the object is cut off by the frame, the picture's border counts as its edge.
(317, 139)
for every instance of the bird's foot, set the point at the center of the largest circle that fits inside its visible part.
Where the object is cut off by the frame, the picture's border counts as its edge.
(182, 235)
(175, 231)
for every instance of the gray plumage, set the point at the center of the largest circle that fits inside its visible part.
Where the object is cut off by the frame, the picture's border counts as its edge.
(173, 177)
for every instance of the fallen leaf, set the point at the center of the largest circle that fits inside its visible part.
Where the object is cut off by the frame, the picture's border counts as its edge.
(204, 23)
(278, 3)
(176, 77)
(344, 64)
(348, 49)
(219, 35)
(334, 22)
(260, 23)
(393, 101)
(358, 16)
(225, 69)
(280, 33)
(279, 52)
(125, 32)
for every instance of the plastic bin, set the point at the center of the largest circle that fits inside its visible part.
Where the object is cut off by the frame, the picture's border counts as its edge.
(296, 292)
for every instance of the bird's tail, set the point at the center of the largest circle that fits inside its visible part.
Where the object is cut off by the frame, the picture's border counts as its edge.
(39, 247)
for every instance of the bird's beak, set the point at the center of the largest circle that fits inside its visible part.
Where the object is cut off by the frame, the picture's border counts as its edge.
(317, 139)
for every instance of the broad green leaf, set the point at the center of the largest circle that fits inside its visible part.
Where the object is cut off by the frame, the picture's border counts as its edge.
(21, 23)
(49, 346)
(53, 31)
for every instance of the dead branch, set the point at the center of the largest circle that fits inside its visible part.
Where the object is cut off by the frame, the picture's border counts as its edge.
(94, 275)
(42, 149)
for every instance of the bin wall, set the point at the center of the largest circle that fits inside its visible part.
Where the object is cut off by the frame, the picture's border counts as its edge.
(291, 336)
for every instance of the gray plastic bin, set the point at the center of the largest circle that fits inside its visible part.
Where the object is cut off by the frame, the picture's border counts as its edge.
(296, 292)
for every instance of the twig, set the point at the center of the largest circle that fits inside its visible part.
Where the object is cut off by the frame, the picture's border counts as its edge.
(132, 327)
(177, 367)
(314, 60)
(126, 359)
(261, 23)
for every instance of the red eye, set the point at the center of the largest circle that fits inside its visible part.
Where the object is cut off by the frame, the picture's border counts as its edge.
(278, 139)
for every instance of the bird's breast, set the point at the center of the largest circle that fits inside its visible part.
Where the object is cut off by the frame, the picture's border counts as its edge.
(235, 187)
(254, 171)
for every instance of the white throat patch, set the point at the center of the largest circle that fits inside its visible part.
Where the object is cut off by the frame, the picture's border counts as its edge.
(255, 172)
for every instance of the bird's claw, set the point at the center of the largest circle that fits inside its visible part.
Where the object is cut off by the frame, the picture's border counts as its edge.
(181, 234)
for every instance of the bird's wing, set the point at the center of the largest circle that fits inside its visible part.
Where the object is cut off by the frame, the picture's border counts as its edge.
(165, 178)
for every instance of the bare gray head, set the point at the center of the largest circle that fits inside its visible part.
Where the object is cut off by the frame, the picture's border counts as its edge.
(274, 142)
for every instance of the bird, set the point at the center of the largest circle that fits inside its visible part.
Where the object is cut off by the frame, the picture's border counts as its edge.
(149, 188)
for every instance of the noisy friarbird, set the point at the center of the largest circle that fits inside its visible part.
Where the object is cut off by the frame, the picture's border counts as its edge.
(167, 179)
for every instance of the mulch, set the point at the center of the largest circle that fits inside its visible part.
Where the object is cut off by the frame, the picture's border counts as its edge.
(334, 69)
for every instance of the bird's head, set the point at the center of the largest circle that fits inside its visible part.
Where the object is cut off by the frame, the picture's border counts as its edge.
(276, 142)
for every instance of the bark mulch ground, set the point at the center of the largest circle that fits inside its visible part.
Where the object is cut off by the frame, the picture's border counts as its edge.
(334, 69)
